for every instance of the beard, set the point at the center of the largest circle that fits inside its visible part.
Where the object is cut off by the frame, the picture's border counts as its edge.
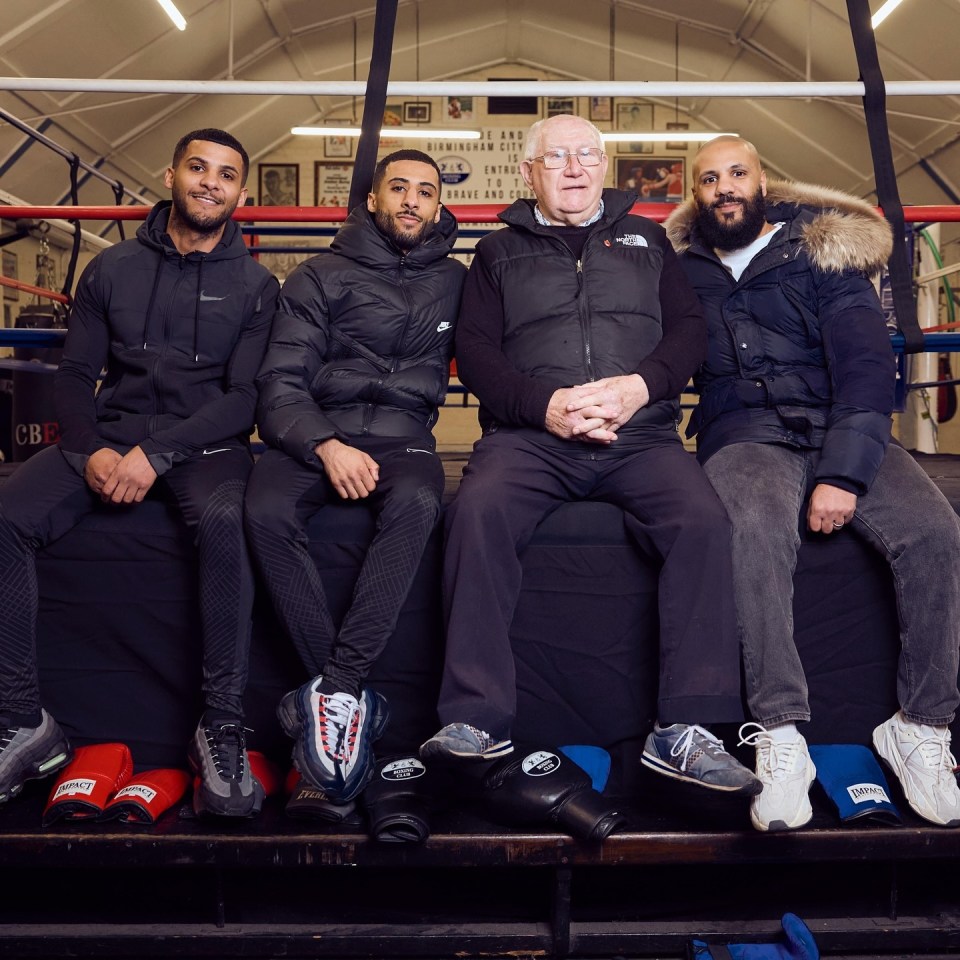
(722, 234)
(401, 238)
(202, 223)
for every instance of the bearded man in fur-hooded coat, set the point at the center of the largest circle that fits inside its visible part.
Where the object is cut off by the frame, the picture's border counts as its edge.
(794, 418)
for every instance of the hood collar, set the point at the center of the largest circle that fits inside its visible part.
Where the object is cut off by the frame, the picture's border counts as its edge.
(840, 231)
(360, 240)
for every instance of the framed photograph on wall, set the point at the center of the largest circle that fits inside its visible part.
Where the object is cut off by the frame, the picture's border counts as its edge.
(338, 146)
(416, 112)
(636, 146)
(9, 261)
(279, 184)
(601, 108)
(393, 115)
(677, 144)
(655, 179)
(633, 115)
(558, 105)
(331, 183)
(459, 108)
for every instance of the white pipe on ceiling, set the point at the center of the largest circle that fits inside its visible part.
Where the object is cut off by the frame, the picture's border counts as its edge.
(509, 88)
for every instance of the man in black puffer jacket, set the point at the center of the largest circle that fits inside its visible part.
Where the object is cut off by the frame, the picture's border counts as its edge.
(179, 319)
(577, 333)
(794, 418)
(357, 366)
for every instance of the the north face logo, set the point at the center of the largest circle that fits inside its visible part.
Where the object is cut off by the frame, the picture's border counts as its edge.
(632, 240)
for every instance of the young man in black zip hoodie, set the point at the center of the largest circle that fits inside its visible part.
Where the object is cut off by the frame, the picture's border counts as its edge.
(178, 319)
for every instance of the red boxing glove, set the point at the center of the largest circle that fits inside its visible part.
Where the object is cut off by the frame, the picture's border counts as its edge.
(147, 796)
(266, 771)
(86, 783)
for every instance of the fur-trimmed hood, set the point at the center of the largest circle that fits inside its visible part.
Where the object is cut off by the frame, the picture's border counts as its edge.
(840, 231)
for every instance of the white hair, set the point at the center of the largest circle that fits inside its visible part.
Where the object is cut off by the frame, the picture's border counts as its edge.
(531, 146)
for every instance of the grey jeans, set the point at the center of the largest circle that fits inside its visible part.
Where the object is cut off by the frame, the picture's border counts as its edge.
(904, 516)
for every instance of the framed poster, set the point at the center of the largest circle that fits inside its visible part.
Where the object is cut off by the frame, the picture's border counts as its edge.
(655, 179)
(416, 112)
(331, 183)
(633, 115)
(601, 108)
(558, 105)
(279, 184)
(338, 146)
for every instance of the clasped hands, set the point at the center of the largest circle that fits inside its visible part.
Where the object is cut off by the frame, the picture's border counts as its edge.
(119, 478)
(593, 412)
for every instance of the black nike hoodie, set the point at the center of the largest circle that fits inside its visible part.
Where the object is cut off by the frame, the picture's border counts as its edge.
(178, 338)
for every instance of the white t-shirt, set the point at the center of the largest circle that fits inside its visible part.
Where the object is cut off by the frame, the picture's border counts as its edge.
(736, 261)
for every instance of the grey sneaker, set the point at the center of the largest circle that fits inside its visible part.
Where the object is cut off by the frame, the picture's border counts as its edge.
(218, 754)
(688, 752)
(464, 740)
(29, 753)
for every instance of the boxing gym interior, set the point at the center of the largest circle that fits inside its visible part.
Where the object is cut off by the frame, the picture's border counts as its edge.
(93, 95)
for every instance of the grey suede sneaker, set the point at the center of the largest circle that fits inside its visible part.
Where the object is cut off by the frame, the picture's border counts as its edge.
(688, 752)
(227, 787)
(30, 753)
(461, 740)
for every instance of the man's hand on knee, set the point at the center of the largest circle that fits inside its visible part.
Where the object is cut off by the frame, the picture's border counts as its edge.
(830, 508)
(353, 473)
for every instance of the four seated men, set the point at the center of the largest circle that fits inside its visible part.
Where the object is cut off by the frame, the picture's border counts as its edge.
(578, 328)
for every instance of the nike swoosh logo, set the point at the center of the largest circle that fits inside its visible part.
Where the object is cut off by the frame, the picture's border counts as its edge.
(445, 325)
(207, 453)
(204, 298)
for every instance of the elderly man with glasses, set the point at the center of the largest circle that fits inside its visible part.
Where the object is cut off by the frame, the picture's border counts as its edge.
(577, 333)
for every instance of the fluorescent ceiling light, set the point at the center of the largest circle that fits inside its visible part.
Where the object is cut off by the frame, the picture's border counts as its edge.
(170, 9)
(660, 137)
(884, 12)
(401, 133)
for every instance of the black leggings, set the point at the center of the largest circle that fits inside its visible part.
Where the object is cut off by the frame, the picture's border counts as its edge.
(283, 494)
(45, 498)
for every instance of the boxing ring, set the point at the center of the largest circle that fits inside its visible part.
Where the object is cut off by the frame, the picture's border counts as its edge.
(528, 891)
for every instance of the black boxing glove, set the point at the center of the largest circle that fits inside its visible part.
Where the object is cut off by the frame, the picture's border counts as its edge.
(307, 802)
(399, 800)
(542, 786)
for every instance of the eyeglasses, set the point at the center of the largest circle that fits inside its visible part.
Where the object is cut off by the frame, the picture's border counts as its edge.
(557, 159)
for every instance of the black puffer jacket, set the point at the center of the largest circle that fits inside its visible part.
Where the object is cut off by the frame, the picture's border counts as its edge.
(799, 353)
(181, 338)
(362, 341)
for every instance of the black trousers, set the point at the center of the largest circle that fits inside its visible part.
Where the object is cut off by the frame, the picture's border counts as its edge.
(510, 484)
(281, 497)
(45, 497)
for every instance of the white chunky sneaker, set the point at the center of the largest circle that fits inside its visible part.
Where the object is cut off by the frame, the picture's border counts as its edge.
(786, 771)
(920, 757)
